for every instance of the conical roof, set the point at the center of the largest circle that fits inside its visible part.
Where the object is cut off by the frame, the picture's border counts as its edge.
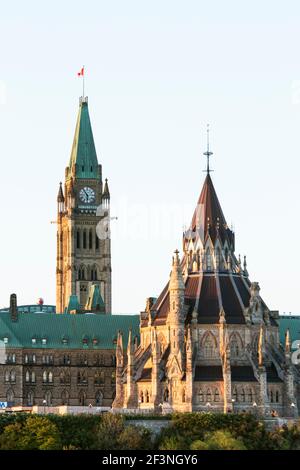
(83, 160)
(208, 217)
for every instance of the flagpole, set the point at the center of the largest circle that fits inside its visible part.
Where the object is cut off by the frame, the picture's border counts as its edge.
(83, 83)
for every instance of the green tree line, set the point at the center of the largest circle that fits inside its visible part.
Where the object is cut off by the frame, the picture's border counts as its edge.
(189, 431)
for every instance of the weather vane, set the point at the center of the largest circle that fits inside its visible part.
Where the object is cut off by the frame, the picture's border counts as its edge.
(208, 154)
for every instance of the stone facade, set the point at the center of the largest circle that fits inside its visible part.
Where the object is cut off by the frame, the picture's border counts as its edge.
(209, 342)
(74, 378)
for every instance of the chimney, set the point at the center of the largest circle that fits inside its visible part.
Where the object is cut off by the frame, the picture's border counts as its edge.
(13, 309)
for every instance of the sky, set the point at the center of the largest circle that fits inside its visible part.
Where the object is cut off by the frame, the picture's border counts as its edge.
(156, 73)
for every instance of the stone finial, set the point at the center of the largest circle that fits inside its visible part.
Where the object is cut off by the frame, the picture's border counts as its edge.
(60, 195)
(176, 279)
(261, 347)
(287, 342)
(239, 264)
(245, 266)
(222, 316)
(129, 345)
(119, 349)
(189, 338)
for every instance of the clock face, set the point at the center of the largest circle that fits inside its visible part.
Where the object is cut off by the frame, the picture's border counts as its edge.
(87, 195)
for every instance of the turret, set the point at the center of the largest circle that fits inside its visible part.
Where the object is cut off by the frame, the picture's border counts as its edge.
(263, 390)
(60, 200)
(106, 195)
(189, 370)
(176, 312)
(131, 401)
(155, 370)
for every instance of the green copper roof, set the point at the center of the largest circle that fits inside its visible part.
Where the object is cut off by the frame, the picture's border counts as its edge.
(73, 305)
(66, 331)
(293, 324)
(83, 153)
(95, 302)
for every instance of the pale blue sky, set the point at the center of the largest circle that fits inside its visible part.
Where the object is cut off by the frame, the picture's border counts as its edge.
(157, 72)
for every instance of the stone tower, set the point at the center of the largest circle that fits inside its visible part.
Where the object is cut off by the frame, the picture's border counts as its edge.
(83, 235)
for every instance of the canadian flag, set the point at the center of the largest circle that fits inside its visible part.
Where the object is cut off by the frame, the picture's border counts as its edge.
(81, 72)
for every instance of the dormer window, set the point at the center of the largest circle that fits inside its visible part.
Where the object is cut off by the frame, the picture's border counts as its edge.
(33, 340)
(85, 340)
(95, 341)
(65, 340)
(44, 341)
(5, 340)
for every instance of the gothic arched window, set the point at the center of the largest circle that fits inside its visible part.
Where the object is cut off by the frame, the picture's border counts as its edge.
(147, 397)
(6, 376)
(99, 398)
(200, 396)
(218, 257)
(243, 396)
(82, 398)
(64, 397)
(277, 396)
(78, 239)
(235, 394)
(208, 395)
(30, 399)
(48, 398)
(10, 396)
(84, 240)
(250, 395)
(209, 346)
(208, 260)
(166, 394)
(234, 346)
(99, 377)
(44, 376)
(81, 273)
(217, 395)
(198, 259)
(141, 396)
(90, 240)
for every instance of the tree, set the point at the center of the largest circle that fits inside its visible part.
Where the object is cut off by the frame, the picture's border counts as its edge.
(109, 430)
(37, 433)
(134, 438)
(218, 440)
(173, 442)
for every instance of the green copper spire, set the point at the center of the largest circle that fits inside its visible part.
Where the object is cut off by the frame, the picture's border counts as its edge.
(83, 160)
(95, 301)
